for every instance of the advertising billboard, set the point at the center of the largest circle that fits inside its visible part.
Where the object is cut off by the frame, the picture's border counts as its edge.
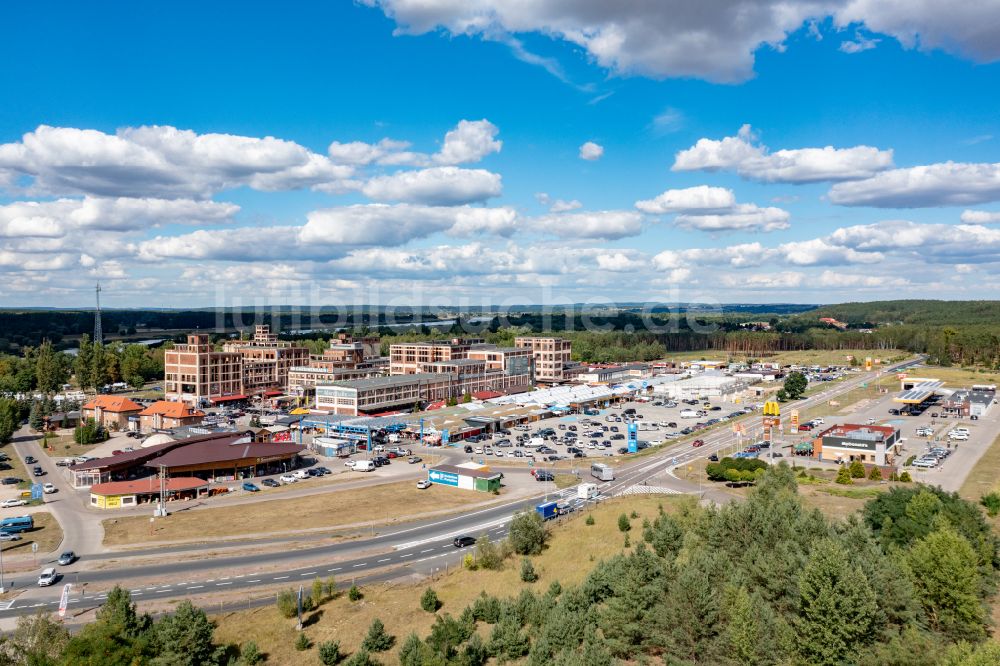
(444, 478)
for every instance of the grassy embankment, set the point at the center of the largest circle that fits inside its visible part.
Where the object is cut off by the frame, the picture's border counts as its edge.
(569, 557)
(377, 504)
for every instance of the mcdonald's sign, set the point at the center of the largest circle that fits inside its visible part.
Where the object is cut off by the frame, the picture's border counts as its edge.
(772, 408)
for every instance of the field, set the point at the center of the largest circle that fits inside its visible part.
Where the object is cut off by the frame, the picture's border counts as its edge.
(61, 445)
(572, 552)
(47, 534)
(804, 357)
(373, 504)
(957, 377)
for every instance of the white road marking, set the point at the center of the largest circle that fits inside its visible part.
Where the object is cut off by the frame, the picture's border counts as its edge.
(359, 565)
(279, 578)
(194, 587)
(255, 580)
(383, 560)
(226, 583)
(407, 555)
(308, 573)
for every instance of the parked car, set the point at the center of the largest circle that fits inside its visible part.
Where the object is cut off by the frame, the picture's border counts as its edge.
(7, 536)
(250, 487)
(543, 475)
(423, 484)
(11, 503)
(322, 471)
(48, 577)
(67, 558)
(413, 460)
(464, 541)
(301, 474)
(287, 478)
(270, 483)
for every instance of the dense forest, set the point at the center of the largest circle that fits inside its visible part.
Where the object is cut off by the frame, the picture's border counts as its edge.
(764, 581)
(949, 332)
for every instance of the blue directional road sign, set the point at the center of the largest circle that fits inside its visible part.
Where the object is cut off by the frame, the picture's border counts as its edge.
(444, 478)
(36, 491)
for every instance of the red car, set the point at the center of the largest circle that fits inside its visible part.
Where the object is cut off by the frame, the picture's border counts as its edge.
(698, 442)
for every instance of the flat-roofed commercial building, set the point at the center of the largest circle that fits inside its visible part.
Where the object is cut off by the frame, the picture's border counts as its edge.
(552, 357)
(975, 401)
(379, 394)
(194, 372)
(406, 358)
(848, 442)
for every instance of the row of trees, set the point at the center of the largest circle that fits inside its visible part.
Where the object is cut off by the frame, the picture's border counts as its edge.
(45, 370)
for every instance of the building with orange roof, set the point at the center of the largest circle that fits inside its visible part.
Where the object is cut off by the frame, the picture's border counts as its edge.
(110, 411)
(167, 414)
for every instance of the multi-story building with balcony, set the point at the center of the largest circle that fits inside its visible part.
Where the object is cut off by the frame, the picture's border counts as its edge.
(553, 363)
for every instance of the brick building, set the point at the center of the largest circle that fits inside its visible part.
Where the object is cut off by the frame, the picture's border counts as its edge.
(553, 364)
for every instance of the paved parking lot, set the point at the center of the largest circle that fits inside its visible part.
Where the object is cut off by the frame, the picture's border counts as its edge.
(599, 437)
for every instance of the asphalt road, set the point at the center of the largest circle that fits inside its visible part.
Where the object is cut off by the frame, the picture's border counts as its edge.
(419, 547)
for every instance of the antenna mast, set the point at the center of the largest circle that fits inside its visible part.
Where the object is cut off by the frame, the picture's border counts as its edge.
(98, 333)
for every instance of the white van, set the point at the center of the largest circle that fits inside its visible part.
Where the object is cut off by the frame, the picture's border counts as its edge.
(536, 441)
(587, 491)
(364, 466)
(689, 414)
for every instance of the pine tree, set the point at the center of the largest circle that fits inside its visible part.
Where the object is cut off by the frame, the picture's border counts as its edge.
(377, 640)
(832, 586)
(184, 638)
(946, 578)
(844, 476)
(83, 365)
(35, 420)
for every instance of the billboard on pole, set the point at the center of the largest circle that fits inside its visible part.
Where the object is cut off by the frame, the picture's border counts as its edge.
(64, 599)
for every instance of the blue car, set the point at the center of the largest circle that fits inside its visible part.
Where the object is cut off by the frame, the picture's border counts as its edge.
(250, 487)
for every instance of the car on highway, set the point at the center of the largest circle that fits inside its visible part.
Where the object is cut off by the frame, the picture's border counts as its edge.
(287, 478)
(29, 460)
(714, 457)
(7, 536)
(49, 488)
(542, 475)
(251, 487)
(464, 541)
(11, 503)
(423, 484)
(38, 471)
(270, 483)
(48, 577)
(698, 442)
(67, 558)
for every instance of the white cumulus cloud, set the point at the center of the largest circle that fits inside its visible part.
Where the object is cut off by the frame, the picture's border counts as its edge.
(441, 186)
(591, 151)
(942, 184)
(605, 224)
(745, 155)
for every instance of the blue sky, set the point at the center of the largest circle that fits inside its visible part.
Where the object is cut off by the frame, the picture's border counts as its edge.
(134, 150)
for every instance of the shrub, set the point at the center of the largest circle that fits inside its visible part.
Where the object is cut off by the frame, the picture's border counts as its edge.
(329, 652)
(527, 533)
(250, 654)
(361, 658)
(287, 603)
(469, 562)
(330, 588)
(909, 461)
(844, 476)
(488, 555)
(317, 593)
(623, 524)
(302, 642)
(429, 601)
(905, 477)
(486, 608)
(590, 519)
(633, 515)
(992, 503)
(354, 594)
(742, 469)
(875, 474)
(857, 469)
(528, 574)
(377, 640)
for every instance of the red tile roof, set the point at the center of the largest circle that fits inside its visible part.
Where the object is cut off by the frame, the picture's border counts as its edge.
(227, 398)
(224, 451)
(170, 409)
(148, 485)
(115, 404)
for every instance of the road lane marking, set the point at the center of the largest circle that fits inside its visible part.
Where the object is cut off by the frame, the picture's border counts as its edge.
(194, 587)
(279, 578)
(426, 551)
(383, 560)
(359, 565)
(407, 555)
(226, 583)
(255, 580)
(308, 573)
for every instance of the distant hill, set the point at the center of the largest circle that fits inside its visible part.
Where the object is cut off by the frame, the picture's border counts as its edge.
(928, 312)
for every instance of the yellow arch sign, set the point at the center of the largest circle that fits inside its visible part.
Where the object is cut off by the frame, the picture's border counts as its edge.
(771, 408)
